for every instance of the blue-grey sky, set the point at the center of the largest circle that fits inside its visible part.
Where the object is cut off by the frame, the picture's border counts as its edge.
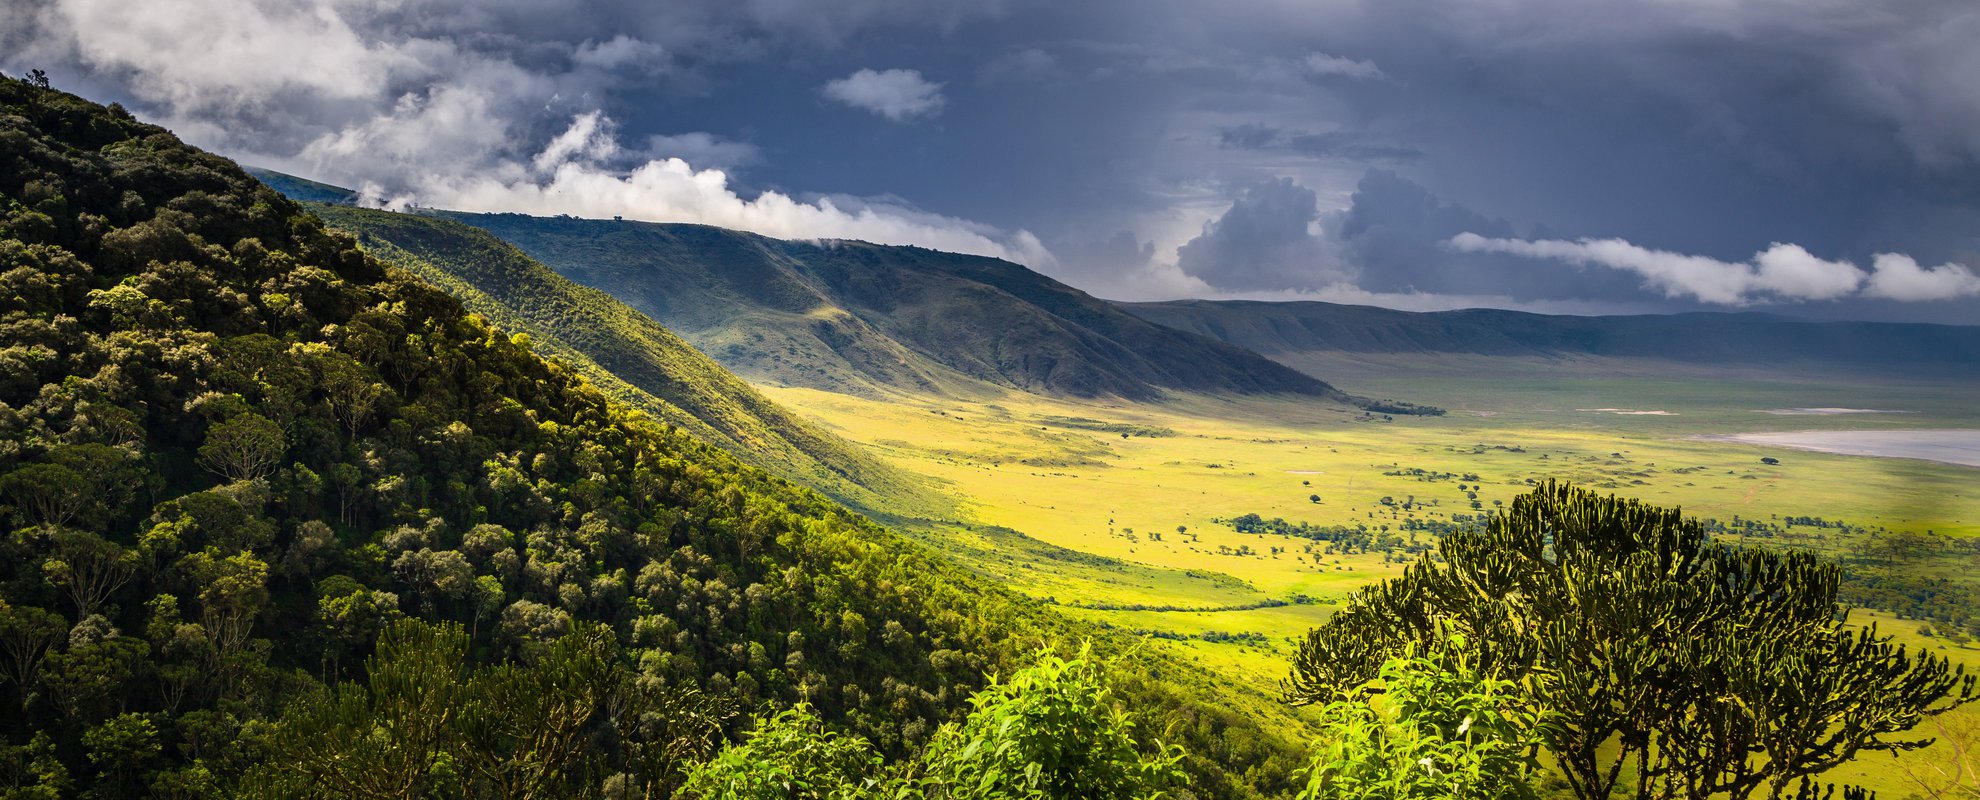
(1808, 157)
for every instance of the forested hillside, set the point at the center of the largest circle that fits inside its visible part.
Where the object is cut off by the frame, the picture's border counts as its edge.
(856, 317)
(234, 449)
(625, 353)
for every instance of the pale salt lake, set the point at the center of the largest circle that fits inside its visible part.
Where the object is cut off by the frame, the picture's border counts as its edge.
(1956, 446)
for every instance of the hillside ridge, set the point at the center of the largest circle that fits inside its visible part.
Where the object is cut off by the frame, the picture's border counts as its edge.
(1282, 328)
(864, 318)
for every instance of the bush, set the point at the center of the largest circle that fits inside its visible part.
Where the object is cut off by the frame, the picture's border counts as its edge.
(1430, 726)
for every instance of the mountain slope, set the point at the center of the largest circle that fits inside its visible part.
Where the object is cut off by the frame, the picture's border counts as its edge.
(858, 317)
(626, 354)
(234, 447)
(1286, 329)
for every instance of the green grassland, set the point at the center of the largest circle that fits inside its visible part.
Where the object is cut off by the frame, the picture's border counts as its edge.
(1076, 506)
(1016, 463)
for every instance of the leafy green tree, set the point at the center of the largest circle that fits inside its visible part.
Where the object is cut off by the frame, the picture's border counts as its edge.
(94, 677)
(664, 730)
(243, 448)
(1429, 727)
(388, 736)
(522, 728)
(351, 617)
(1053, 731)
(87, 567)
(1669, 665)
(788, 756)
(122, 748)
(26, 635)
(46, 494)
(33, 771)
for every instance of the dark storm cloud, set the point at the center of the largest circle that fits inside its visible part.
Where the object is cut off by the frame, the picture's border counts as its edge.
(1331, 145)
(1263, 242)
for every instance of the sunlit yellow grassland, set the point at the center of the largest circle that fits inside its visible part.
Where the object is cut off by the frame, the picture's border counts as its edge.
(1118, 480)
(1133, 493)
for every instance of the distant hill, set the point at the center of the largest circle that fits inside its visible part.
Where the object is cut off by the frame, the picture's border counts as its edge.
(303, 190)
(625, 353)
(1283, 330)
(863, 318)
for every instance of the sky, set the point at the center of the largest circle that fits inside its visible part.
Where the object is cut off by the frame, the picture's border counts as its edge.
(1812, 158)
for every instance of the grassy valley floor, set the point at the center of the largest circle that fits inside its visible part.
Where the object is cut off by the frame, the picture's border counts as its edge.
(1119, 512)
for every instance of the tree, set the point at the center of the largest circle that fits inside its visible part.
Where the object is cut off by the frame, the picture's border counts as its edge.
(121, 748)
(662, 730)
(88, 567)
(26, 634)
(434, 576)
(1053, 730)
(1429, 727)
(350, 391)
(233, 589)
(427, 723)
(388, 736)
(788, 756)
(46, 494)
(1690, 668)
(243, 448)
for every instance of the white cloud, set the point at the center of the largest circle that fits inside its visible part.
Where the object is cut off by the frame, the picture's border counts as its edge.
(1898, 277)
(897, 94)
(1791, 271)
(197, 54)
(1781, 272)
(619, 51)
(571, 176)
(1324, 64)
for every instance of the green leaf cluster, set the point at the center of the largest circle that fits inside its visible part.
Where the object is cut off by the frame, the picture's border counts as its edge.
(1665, 664)
(1428, 727)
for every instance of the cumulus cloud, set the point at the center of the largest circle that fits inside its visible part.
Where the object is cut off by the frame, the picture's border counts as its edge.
(1898, 277)
(1781, 272)
(899, 95)
(1265, 241)
(1324, 64)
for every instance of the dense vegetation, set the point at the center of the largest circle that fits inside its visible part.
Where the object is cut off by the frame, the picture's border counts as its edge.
(625, 353)
(234, 450)
(1650, 660)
